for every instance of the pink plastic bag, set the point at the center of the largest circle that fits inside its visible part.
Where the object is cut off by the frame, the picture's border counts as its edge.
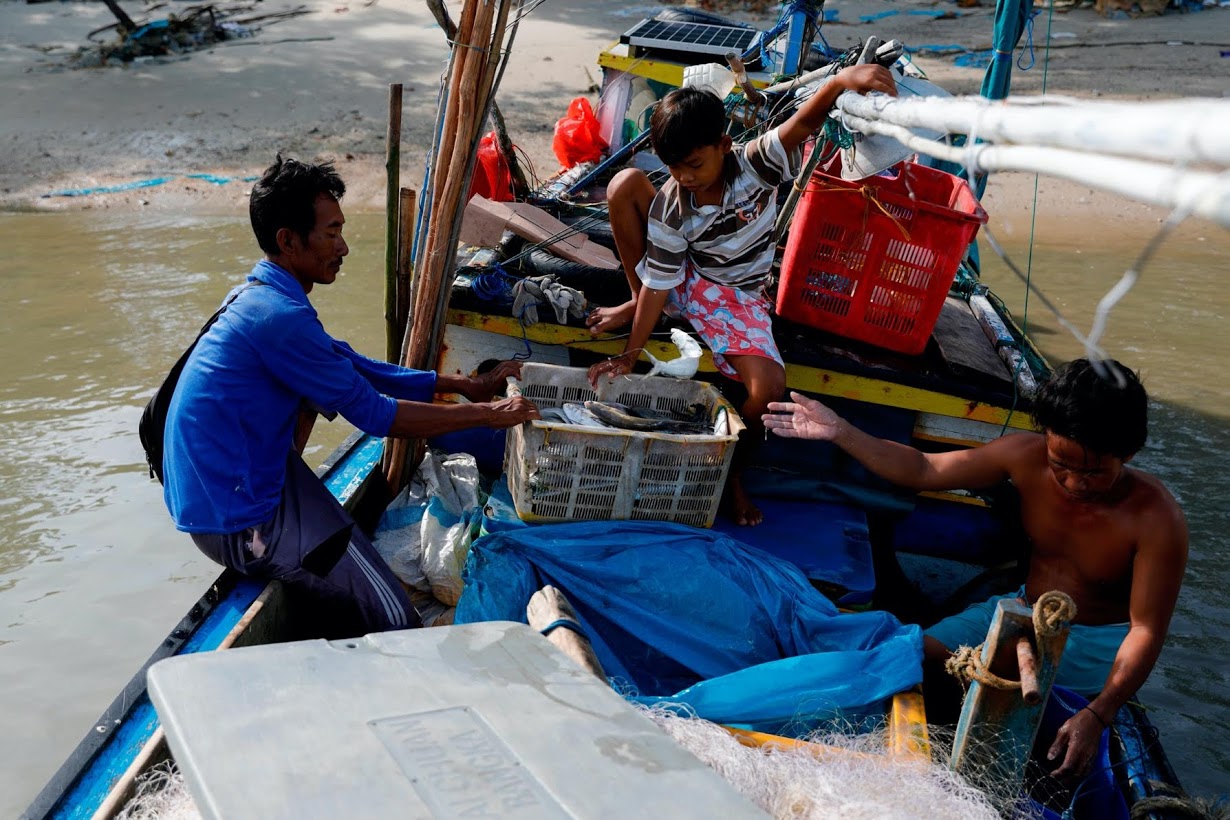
(492, 176)
(577, 137)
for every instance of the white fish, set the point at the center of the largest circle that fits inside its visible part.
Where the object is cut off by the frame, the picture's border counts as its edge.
(722, 426)
(683, 367)
(577, 414)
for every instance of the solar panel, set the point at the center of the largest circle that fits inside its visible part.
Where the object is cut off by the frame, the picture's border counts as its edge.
(695, 37)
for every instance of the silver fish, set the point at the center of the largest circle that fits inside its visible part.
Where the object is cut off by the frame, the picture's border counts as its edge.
(578, 414)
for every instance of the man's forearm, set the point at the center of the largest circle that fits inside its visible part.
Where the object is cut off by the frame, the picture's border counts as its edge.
(1132, 665)
(898, 463)
(446, 383)
(421, 420)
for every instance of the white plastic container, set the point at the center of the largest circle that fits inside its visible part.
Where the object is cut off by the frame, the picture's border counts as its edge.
(483, 720)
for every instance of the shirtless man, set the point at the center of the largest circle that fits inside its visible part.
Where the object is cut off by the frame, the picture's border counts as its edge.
(1111, 537)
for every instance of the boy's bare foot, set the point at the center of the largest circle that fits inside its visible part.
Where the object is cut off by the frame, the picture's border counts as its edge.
(739, 506)
(606, 319)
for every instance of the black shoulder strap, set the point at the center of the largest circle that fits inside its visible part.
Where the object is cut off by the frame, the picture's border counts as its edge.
(152, 427)
(210, 321)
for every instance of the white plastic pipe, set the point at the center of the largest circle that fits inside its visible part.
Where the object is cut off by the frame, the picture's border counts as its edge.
(1188, 131)
(1199, 192)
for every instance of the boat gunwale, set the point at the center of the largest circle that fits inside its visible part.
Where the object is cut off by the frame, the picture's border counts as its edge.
(86, 783)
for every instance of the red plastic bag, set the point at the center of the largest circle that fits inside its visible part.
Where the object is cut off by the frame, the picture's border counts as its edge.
(576, 135)
(492, 176)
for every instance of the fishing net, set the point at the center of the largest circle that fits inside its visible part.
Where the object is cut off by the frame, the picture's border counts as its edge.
(841, 773)
(161, 793)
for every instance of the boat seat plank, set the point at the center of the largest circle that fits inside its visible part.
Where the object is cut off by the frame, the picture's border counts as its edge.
(966, 350)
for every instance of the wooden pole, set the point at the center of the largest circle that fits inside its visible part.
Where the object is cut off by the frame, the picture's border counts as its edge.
(521, 186)
(127, 26)
(392, 174)
(458, 134)
(487, 88)
(405, 269)
(451, 172)
(393, 461)
(1028, 662)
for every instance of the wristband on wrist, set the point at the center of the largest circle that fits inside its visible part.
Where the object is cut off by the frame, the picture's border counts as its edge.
(1105, 725)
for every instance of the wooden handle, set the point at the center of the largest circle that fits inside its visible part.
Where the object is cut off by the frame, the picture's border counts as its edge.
(736, 65)
(1028, 662)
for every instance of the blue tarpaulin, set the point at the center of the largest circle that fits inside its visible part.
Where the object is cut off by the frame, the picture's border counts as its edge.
(693, 618)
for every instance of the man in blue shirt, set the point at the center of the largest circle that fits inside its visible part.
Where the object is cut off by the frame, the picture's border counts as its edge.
(243, 408)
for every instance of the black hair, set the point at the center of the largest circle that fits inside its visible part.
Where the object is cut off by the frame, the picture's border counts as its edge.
(686, 119)
(1107, 412)
(285, 197)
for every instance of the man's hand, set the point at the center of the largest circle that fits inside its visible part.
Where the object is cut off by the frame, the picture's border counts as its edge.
(1076, 743)
(512, 411)
(490, 384)
(611, 368)
(863, 79)
(802, 418)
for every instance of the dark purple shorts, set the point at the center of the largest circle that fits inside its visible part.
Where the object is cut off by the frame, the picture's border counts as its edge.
(312, 545)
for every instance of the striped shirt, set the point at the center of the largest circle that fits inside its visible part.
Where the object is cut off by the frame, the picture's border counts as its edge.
(731, 243)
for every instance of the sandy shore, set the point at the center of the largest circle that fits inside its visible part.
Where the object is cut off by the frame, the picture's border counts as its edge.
(316, 85)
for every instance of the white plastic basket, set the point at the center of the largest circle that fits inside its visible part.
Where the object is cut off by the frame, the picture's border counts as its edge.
(559, 472)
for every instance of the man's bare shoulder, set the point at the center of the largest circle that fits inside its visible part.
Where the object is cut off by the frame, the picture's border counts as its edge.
(1156, 506)
(1017, 451)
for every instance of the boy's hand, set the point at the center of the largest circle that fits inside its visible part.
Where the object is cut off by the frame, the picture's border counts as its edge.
(866, 78)
(611, 368)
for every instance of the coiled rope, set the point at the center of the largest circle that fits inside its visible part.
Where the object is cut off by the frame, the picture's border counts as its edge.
(1051, 613)
(1174, 802)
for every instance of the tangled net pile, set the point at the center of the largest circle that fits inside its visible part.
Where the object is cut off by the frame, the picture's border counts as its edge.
(161, 793)
(856, 781)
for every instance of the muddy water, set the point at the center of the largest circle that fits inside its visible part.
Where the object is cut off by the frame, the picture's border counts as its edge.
(97, 305)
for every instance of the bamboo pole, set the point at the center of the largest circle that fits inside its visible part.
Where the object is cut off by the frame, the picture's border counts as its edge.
(495, 67)
(393, 461)
(521, 185)
(469, 75)
(405, 264)
(460, 57)
(469, 52)
(392, 173)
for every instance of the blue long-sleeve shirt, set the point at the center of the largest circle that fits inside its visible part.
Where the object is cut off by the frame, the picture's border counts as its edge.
(231, 422)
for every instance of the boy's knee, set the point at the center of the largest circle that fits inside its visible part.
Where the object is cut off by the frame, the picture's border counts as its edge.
(629, 185)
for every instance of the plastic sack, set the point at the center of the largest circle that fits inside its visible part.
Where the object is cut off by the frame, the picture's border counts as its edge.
(578, 136)
(425, 533)
(492, 176)
(694, 619)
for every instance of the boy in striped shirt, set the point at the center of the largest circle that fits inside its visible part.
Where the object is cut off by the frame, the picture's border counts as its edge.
(702, 247)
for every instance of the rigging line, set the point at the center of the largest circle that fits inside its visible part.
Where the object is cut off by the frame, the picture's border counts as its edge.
(527, 10)
(1042, 297)
(1129, 279)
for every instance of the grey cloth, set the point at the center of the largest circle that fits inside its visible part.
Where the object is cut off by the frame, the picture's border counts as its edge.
(312, 545)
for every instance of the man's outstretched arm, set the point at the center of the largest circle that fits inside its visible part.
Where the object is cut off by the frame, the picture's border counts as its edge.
(901, 464)
(422, 420)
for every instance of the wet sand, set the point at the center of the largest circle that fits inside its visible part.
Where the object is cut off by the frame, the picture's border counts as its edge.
(316, 86)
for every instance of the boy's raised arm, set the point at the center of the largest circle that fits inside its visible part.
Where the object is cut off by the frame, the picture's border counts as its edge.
(811, 114)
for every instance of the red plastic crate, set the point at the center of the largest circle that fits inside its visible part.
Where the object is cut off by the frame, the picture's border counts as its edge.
(873, 259)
